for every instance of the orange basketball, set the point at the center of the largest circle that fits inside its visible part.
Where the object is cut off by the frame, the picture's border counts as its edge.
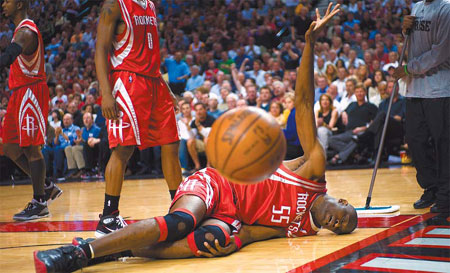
(246, 145)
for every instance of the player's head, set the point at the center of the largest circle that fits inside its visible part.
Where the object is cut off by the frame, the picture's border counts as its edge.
(11, 7)
(335, 215)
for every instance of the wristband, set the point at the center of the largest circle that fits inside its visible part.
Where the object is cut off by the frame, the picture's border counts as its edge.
(406, 70)
(238, 242)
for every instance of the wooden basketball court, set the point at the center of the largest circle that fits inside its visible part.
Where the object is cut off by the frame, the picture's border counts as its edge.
(75, 213)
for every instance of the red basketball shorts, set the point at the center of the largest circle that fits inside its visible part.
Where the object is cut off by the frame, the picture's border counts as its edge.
(146, 110)
(215, 191)
(26, 115)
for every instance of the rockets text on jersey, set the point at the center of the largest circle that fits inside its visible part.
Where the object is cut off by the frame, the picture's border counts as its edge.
(136, 49)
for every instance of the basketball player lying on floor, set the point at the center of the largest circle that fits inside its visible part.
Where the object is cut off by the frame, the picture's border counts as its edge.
(291, 203)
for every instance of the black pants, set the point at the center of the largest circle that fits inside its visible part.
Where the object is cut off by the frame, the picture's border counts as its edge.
(177, 88)
(394, 129)
(91, 155)
(428, 119)
(103, 154)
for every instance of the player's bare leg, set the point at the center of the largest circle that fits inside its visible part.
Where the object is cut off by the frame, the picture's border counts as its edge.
(171, 166)
(170, 228)
(181, 248)
(110, 220)
(147, 232)
(115, 169)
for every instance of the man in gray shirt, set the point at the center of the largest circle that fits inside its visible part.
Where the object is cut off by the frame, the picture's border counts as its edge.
(427, 74)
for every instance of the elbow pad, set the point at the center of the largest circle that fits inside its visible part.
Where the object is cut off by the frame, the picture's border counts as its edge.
(10, 55)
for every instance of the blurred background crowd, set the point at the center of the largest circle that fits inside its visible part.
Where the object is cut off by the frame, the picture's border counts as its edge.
(218, 55)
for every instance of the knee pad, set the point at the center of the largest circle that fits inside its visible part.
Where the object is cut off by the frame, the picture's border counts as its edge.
(176, 225)
(207, 234)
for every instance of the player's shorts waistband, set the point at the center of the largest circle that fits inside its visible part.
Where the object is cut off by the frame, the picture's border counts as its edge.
(28, 84)
(138, 74)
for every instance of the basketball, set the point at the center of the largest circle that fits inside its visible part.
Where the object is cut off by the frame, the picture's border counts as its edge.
(246, 145)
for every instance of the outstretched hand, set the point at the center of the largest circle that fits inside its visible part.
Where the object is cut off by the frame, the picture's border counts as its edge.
(317, 26)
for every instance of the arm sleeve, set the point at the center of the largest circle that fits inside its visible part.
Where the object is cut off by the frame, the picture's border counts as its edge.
(10, 55)
(439, 52)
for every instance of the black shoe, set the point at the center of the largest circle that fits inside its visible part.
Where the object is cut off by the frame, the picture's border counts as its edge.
(76, 241)
(436, 209)
(64, 259)
(109, 223)
(52, 193)
(34, 210)
(421, 204)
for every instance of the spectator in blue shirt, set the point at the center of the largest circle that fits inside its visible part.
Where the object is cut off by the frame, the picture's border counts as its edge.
(178, 73)
(64, 137)
(90, 135)
(322, 87)
(350, 23)
(241, 57)
(294, 149)
(195, 80)
(247, 12)
(213, 103)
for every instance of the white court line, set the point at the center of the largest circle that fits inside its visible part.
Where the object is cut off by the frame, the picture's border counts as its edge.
(430, 241)
(439, 231)
(409, 264)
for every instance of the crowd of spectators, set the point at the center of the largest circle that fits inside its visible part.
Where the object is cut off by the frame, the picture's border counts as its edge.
(219, 55)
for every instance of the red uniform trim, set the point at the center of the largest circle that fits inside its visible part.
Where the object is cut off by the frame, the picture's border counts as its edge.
(162, 228)
(192, 244)
(238, 242)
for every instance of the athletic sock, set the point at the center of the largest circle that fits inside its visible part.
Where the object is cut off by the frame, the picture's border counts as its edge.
(37, 171)
(172, 193)
(111, 204)
(87, 250)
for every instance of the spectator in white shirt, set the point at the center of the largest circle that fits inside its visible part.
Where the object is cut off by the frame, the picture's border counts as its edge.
(340, 82)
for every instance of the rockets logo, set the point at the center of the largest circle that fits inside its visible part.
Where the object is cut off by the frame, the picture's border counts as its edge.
(117, 126)
(30, 126)
(29, 112)
(124, 100)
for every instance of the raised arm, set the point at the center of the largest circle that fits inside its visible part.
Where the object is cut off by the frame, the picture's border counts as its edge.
(109, 18)
(314, 166)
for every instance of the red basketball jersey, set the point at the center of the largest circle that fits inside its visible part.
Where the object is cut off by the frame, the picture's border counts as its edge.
(28, 69)
(282, 200)
(137, 48)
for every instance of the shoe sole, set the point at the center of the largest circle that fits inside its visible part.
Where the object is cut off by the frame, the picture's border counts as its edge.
(38, 264)
(52, 198)
(99, 234)
(31, 218)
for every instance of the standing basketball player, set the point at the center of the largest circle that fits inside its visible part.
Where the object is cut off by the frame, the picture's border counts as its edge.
(135, 99)
(428, 100)
(291, 203)
(26, 115)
